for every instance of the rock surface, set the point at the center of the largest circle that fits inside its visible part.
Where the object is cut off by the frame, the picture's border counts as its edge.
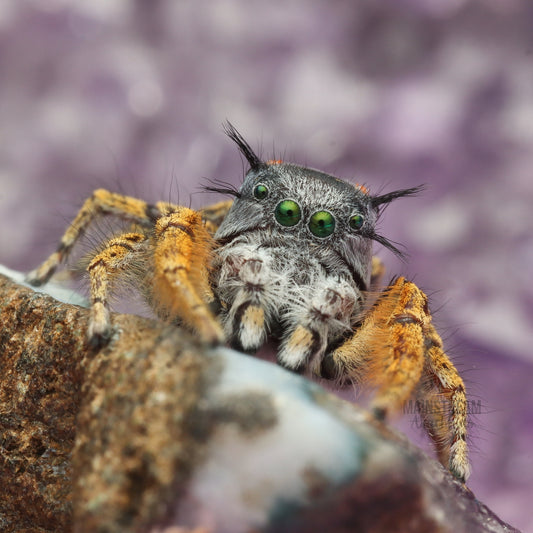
(156, 432)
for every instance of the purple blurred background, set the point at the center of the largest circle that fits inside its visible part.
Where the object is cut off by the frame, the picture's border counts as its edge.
(131, 96)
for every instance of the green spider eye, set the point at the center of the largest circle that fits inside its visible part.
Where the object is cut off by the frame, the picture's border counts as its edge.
(288, 213)
(322, 224)
(356, 221)
(261, 191)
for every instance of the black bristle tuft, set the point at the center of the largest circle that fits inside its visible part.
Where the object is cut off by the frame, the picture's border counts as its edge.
(390, 245)
(245, 149)
(380, 202)
(377, 201)
(222, 187)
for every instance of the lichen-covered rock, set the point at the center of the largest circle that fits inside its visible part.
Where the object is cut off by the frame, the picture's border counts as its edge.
(157, 432)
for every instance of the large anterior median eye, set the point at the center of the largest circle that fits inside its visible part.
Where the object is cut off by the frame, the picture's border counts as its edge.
(288, 213)
(322, 224)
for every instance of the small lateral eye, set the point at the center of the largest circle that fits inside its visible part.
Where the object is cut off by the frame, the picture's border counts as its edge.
(288, 213)
(356, 221)
(322, 224)
(260, 191)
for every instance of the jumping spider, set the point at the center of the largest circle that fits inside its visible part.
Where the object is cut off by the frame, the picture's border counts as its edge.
(291, 259)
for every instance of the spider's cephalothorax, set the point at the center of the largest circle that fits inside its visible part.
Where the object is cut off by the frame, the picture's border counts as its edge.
(295, 260)
(290, 259)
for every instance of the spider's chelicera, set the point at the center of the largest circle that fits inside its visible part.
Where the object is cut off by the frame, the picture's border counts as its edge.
(290, 258)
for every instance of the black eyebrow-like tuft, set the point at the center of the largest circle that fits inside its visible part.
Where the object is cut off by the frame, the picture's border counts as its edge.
(390, 245)
(376, 201)
(222, 187)
(245, 149)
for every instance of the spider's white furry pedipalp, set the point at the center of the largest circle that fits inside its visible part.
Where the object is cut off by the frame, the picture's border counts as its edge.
(324, 313)
(248, 281)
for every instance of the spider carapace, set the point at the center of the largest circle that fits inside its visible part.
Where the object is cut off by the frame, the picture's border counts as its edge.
(290, 258)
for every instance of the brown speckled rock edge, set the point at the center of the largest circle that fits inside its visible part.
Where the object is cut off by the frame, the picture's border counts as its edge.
(135, 450)
(117, 418)
(40, 382)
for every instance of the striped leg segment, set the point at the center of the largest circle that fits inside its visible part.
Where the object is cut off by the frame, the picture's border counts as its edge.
(181, 244)
(100, 203)
(452, 387)
(246, 320)
(103, 269)
(214, 214)
(434, 411)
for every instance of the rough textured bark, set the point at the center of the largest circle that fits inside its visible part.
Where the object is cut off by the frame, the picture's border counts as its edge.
(114, 440)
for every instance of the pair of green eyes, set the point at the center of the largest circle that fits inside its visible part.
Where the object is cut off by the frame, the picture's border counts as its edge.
(321, 224)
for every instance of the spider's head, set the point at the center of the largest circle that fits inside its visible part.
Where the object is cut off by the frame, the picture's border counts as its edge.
(320, 210)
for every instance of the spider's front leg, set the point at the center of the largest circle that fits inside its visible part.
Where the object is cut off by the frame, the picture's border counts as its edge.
(181, 247)
(181, 261)
(397, 350)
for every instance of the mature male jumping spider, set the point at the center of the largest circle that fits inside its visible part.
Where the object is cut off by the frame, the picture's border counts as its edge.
(290, 259)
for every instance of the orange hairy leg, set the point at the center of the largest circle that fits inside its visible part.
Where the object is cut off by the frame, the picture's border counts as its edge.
(399, 315)
(395, 349)
(103, 269)
(181, 289)
(181, 259)
(101, 202)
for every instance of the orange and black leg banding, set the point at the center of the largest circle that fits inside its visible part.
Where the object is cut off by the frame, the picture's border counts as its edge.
(182, 253)
(103, 269)
(397, 350)
(100, 203)
(452, 389)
